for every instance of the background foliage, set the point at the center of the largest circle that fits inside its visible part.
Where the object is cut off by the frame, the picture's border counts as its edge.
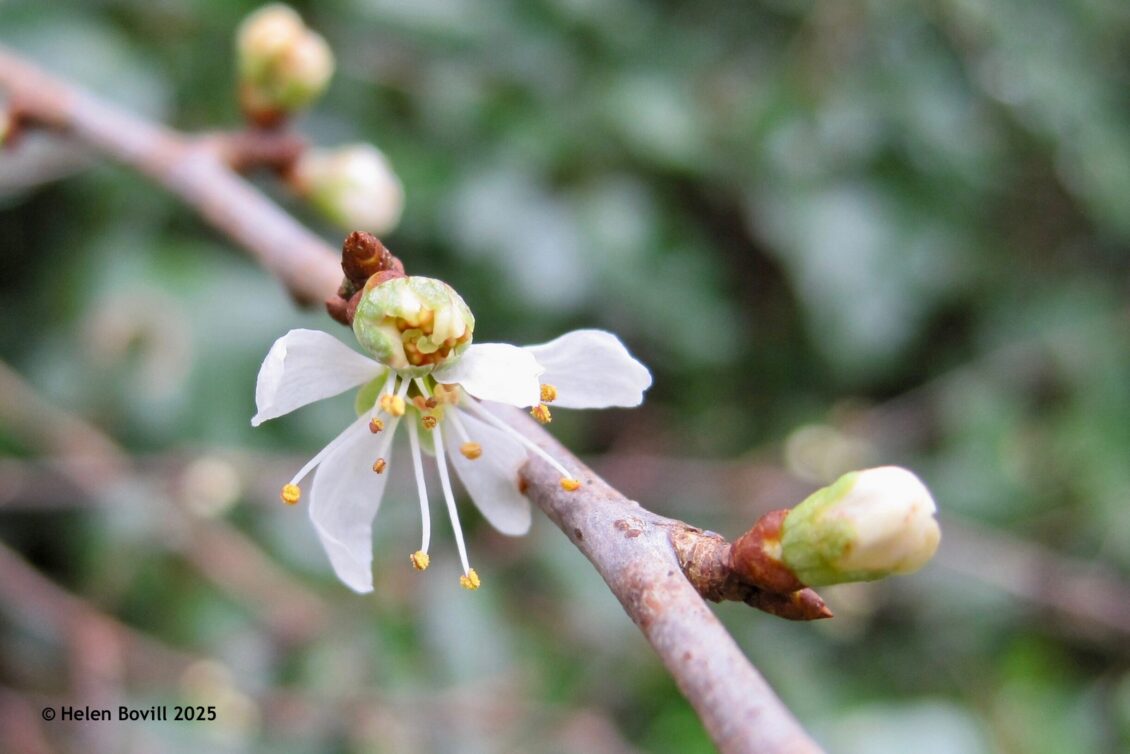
(842, 233)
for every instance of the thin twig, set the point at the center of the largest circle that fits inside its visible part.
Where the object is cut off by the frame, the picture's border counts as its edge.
(631, 547)
(193, 169)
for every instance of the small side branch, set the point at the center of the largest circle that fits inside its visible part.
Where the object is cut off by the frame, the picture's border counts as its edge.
(193, 169)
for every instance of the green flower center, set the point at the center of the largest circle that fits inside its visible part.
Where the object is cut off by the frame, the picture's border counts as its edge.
(413, 324)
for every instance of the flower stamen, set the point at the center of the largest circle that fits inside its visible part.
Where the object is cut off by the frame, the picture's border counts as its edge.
(470, 581)
(379, 465)
(291, 494)
(421, 401)
(420, 560)
(446, 393)
(541, 413)
(459, 428)
(470, 449)
(425, 402)
(548, 393)
(449, 498)
(376, 424)
(393, 405)
(425, 517)
(324, 452)
(569, 483)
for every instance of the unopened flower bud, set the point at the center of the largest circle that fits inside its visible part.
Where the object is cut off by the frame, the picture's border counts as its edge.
(265, 35)
(283, 65)
(413, 324)
(353, 187)
(867, 525)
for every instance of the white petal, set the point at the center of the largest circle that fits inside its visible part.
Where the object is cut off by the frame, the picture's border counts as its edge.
(304, 366)
(495, 372)
(592, 369)
(344, 501)
(492, 479)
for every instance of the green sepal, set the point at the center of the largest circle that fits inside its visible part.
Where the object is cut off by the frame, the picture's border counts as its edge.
(812, 542)
(367, 396)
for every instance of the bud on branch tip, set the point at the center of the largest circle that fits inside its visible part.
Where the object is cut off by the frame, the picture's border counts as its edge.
(867, 525)
(283, 65)
(353, 186)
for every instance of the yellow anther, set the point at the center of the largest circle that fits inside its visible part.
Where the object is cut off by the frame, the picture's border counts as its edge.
(420, 560)
(541, 413)
(446, 394)
(379, 465)
(570, 485)
(291, 494)
(393, 405)
(470, 581)
(471, 450)
(376, 425)
(429, 422)
(548, 393)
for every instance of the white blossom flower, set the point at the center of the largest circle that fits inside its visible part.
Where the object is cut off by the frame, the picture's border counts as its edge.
(429, 376)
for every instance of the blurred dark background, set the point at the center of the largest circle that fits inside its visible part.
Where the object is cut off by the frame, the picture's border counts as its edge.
(841, 233)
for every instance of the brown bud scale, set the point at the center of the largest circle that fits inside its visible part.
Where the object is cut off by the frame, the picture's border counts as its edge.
(754, 560)
(363, 255)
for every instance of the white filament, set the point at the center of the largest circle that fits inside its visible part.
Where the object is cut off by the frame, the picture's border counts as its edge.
(418, 467)
(449, 498)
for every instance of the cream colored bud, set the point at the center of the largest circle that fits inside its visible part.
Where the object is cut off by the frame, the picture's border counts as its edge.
(868, 525)
(354, 187)
(283, 65)
(305, 71)
(266, 35)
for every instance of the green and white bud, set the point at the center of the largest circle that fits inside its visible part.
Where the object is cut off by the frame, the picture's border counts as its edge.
(352, 186)
(413, 324)
(265, 36)
(867, 525)
(283, 65)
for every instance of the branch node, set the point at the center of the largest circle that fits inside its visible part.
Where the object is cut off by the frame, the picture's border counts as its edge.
(246, 150)
(707, 561)
(755, 556)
